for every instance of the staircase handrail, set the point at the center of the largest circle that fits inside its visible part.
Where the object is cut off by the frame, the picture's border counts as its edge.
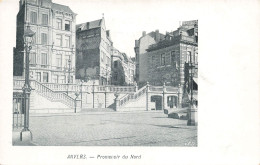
(47, 92)
(136, 95)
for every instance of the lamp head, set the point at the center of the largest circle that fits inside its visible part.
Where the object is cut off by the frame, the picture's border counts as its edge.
(28, 36)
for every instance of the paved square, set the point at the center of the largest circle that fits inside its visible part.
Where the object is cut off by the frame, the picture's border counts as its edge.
(111, 129)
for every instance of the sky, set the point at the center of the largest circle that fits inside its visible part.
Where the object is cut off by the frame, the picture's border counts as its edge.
(125, 19)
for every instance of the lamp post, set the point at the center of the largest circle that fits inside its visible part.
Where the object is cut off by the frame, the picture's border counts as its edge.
(93, 93)
(69, 70)
(81, 83)
(178, 103)
(191, 111)
(69, 63)
(26, 135)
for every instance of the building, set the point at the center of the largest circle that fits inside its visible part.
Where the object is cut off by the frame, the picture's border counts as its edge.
(140, 48)
(52, 58)
(168, 61)
(93, 52)
(123, 69)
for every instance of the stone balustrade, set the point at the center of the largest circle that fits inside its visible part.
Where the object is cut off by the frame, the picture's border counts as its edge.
(18, 84)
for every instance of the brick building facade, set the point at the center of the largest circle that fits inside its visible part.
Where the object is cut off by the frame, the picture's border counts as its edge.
(93, 52)
(167, 58)
(165, 61)
(52, 58)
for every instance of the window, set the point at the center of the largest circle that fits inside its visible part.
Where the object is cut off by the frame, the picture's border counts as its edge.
(173, 58)
(45, 77)
(59, 23)
(71, 79)
(34, 38)
(38, 76)
(32, 58)
(162, 59)
(67, 61)
(108, 61)
(115, 77)
(45, 19)
(188, 56)
(67, 25)
(33, 17)
(44, 38)
(58, 40)
(62, 79)
(115, 64)
(44, 59)
(58, 61)
(67, 41)
(196, 58)
(56, 79)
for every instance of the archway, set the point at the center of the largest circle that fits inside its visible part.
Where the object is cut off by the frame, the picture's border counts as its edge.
(158, 101)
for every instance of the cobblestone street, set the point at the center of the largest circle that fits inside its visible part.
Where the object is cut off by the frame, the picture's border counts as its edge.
(111, 129)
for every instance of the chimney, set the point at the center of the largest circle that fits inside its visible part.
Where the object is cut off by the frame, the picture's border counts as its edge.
(108, 33)
(144, 33)
(157, 35)
(136, 43)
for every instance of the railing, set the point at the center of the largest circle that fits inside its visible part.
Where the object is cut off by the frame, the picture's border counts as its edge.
(52, 95)
(46, 92)
(18, 116)
(171, 89)
(128, 97)
(143, 90)
(156, 88)
(18, 84)
(89, 88)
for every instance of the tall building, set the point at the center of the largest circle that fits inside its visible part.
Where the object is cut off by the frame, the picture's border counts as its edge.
(123, 69)
(141, 47)
(168, 60)
(52, 58)
(93, 52)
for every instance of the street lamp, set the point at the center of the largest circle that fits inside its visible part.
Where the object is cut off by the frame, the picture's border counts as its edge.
(69, 63)
(81, 84)
(192, 116)
(28, 38)
(179, 90)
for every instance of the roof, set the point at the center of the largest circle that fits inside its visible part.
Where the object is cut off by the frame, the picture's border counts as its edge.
(90, 25)
(63, 8)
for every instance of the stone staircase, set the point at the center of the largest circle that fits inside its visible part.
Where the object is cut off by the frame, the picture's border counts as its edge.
(45, 100)
(133, 102)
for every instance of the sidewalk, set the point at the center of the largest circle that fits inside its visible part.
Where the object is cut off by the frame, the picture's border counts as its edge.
(16, 139)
